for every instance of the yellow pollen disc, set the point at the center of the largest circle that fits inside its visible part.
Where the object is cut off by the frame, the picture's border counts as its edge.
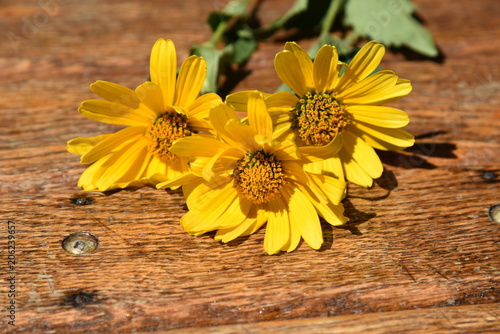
(259, 177)
(319, 117)
(164, 131)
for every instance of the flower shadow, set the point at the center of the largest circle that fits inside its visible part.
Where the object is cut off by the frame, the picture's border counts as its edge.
(356, 218)
(236, 242)
(416, 156)
(233, 76)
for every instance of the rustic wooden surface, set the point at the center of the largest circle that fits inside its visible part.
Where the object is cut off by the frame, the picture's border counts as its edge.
(421, 254)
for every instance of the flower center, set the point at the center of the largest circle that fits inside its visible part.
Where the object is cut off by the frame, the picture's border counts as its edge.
(319, 117)
(259, 177)
(164, 131)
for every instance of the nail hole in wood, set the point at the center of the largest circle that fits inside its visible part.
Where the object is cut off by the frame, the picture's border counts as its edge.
(82, 200)
(494, 213)
(80, 243)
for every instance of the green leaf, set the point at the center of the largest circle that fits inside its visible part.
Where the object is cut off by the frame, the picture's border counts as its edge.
(216, 18)
(342, 46)
(229, 26)
(236, 8)
(243, 49)
(216, 59)
(390, 22)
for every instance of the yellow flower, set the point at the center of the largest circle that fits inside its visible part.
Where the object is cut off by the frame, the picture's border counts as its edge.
(245, 178)
(156, 114)
(326, 105)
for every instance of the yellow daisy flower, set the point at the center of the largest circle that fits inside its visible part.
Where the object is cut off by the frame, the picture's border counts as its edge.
(326, 105)
(245, 178)
(156, 114)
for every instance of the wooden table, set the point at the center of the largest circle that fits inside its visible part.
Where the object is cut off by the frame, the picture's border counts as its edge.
(421, 254)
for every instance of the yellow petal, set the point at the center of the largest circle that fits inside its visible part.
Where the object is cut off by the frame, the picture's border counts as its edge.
(362, 65)
(305, 62)
(176, 167)
(222, 163)
(250, 225)
(113, 142)
(262, 217)
(333, 214)
(240, 136)
(121, 164)
(156, 166)
(278, 227)
(234, 215)
(364, 154)
(152, 96)
(283, 126)
(86, 180)
(191, 77)
(200, 126)
(318, 153)
(239, 100)
(229, 234)
(286, 151)
(315, 167)
(190, 187)
(332, 188)
(281, 101)
(295, 172)
(209, 170)
(258, 116)
(325, 69)
(203, 194)
(288, 69)
(295, 237)
(303, 213)
(352, 169)
(139, 160)
(197, 164)
(115, 93)
(384, 138)
(380, 88)
(379, 115)
(209, 208)
(82, 145)
(323, 186)
(179, 181)
(193, 146)
(365, 89)
(190, 220)
(219, 116)
(112, 113)
(402, 88)
(163, 68)
(201, 106)
(331, 167)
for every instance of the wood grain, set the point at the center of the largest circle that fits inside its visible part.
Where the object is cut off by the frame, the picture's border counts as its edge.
(463, 319)
(420, 254)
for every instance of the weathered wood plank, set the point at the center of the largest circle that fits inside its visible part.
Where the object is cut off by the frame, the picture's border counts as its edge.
(420, 244)
(463, 319)
(400, 252)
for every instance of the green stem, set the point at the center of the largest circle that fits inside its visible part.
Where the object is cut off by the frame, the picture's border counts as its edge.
(218, 33)
(333, 10)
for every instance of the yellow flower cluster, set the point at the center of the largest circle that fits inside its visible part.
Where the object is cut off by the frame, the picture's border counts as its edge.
(286, 164)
